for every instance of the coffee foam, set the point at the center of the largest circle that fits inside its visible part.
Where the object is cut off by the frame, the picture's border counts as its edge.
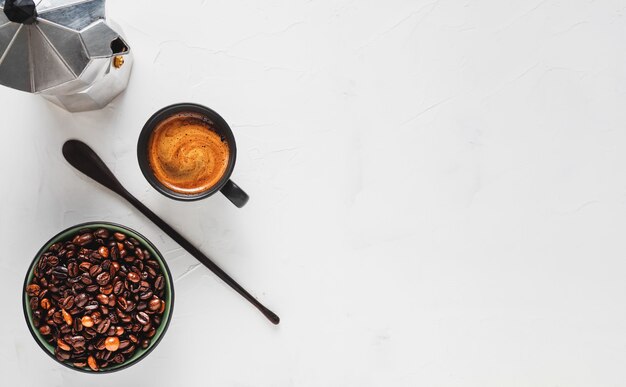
(186, 155)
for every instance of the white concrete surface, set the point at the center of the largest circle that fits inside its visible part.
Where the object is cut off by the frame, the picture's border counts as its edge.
(438, 193)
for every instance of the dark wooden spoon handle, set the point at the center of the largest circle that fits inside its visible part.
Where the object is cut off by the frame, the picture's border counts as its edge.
(83, 158)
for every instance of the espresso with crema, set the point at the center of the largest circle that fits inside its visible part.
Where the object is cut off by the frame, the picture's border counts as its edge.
(186, 155)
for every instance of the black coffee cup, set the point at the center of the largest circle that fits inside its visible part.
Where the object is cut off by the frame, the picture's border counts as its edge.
(231, 190)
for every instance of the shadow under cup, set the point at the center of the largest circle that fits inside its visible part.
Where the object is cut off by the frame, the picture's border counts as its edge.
(218, 125)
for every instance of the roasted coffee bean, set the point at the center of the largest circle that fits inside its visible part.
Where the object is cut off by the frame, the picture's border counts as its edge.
(124, 344)
(62, 355)
(112, 343)
(128, 245)
(52, 260)
(83, 239)
(103, 327)
(91, 361)
(145, 343)
(142, 306)
(72, 269)
(85, 278)
(150, 271)
(33, 290)
(130, 306)
(78, 325)
(146, 295)
(114, 252)
(53, 289)
(67, 303)
(57, 318)
(63, 345)
(133, 277)
(44, 330)
(34, 303)
(146, 327)
(103, 278)
(102, 233)
(92, 288)
(144, 286)
(159, 283)
(78, 342)
(118, 287)
(84, 267)
(121, 303)
(143, 318)
(92, 305)
(102, 298)
(45, 304)
(103, 251)
(95, 270)
(59, 272)
(139, 254)
(129, 350)
(80, 300)
(154, 304)
(132, 287)
(67, 317)
(119, 236)
(125, 318)
(100, 345)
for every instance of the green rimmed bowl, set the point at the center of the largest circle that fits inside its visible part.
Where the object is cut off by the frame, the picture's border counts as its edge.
(169, 294)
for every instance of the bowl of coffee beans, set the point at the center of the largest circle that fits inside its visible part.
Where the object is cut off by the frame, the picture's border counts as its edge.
(98, 297)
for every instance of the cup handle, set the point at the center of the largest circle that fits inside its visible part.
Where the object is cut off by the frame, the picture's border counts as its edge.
(235, 194)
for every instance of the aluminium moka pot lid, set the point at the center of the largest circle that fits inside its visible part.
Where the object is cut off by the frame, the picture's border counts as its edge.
(48, 43)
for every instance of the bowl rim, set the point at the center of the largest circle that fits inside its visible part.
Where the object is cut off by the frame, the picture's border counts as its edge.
(143, 240)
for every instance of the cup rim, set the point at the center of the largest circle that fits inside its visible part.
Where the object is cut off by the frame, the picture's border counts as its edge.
(142, 239)
(168, 111)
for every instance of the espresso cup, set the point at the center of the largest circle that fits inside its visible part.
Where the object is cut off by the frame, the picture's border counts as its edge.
(213, 122)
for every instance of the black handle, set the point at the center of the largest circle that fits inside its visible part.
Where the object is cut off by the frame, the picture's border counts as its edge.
(83, 158)
(21, 11)
(235, 194)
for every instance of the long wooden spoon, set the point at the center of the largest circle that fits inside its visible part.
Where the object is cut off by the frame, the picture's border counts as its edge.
(83, 158)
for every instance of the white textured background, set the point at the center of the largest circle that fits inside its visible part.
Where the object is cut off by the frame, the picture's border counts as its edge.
(438, 193)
